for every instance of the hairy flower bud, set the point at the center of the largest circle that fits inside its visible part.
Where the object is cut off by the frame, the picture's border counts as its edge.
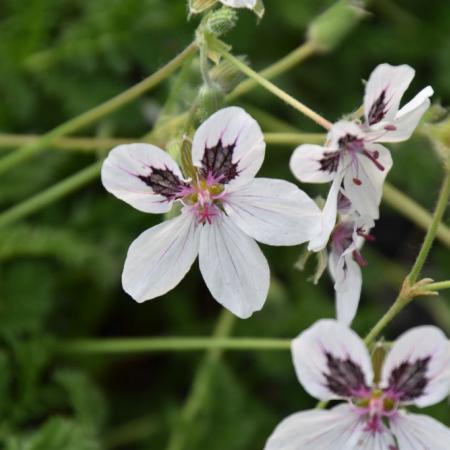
(328, 30)
(221, 21)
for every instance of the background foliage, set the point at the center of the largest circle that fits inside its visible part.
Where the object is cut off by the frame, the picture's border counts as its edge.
(60, 269)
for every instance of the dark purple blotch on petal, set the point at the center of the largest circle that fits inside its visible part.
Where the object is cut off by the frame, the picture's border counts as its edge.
(330, 162)
(164, 182)
(345, 378)
(217, 162)
(408, 381)
(378, 109)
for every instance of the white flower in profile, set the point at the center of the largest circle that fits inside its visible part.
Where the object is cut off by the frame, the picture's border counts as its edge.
(352, 154)
(332, 362)
(384, 120)
(250, 4)
(224, 209)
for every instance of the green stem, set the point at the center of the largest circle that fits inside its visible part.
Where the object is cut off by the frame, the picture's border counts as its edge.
(294, 138)
(50, 195)
(201, 384)
(297, 56)
(96, 113)
(170, 344)
(431, 234)
(276, 90)
(439, 286)
(75, 143)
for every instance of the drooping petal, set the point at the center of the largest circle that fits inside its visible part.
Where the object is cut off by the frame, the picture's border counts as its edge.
(229, 146)
(407, 119)
(419, 432)
(144, 176)
(417, 369)
(328, 217)
(273, 212)
(365, 195)
(335, 429)
(160, 257)
(384, 91)
(331, 361)
(314, 163)
(234, 268)
(347, 285)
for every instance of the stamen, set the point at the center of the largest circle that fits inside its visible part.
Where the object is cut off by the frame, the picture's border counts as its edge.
(365, 235)
(390, 128)
(357, 181)
(373, 157)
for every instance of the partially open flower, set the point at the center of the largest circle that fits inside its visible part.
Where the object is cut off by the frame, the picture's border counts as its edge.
(224, 208)
(332, 362)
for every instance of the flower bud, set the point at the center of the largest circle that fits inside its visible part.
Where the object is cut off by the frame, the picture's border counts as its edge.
(221, 21)
(198, 6)
(210, 99)
(328, 30)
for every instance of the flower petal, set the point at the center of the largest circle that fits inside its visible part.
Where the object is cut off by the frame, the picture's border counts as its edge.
(384, 91)
(274, 212)
(328, 217)
(365, 195)
(234, 268)
(417, 369)
(314, 163)
(144, 176)
(160, 257)
(332, 361)
(229, 146)
(336, 429)
(408, 118)
(419, 432)
(347, 284)
(239, 3)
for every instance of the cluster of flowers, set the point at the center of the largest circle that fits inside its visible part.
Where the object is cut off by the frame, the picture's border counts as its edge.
(225, 209)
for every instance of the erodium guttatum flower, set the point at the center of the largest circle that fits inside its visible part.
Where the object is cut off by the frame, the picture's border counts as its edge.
(352, 154)
(224, 210)
(332, 362)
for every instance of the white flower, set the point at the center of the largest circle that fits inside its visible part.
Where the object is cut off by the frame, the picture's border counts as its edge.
(332, 362)
(383, 120)
(224, 209)
(347, 158)
(352, 152)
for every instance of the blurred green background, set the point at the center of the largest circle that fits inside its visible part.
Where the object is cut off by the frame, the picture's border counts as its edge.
(60, 269)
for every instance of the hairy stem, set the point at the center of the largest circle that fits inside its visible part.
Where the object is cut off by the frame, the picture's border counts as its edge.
(276, 90)
(170, 344)
(96, 113)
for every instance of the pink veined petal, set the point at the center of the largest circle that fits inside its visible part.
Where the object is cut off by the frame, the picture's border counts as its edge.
(384, 91)
(331, 361)
(407, 119)
(239, 3)
(417, 369)
(327, 218)
(348, 282)
(235, 129)
(160, 257)
(366, 195)
(339, 428)
(274, 212)
(233, 266)
(126, 169)
(419, 432)
(306, 164)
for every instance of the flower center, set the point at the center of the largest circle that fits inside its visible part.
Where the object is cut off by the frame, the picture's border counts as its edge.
(205, 197)
(375, 407)
(355, 146)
